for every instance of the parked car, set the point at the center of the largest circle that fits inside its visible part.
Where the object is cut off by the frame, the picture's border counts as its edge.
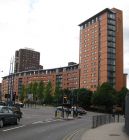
(60, 108)
(16, 110)
(81, 111)
(20, 104)
(7, 116)
(3, 103)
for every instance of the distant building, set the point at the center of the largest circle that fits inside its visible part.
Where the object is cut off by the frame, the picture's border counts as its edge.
(27, 59)
(68, 77)
(101, 50)
(100, 58)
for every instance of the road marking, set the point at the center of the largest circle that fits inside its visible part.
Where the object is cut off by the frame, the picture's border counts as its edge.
(45, 121)
(37, 122)
(70, 136)
(13, 128)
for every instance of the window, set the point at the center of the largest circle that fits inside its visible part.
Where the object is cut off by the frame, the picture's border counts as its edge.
(92, 42)
(111, 80)
(81, 27)
(99, 18)
(93, 21)
(111, 50)
(111, 74)
(111, 39)
(111, 44)
(95, 25)
(111, 27)
(111, 33)
(111, 68)
(110, 55)
(111, 62)
(111, 16)
(112, 22)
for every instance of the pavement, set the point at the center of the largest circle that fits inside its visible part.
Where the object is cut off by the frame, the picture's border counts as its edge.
(112, 131)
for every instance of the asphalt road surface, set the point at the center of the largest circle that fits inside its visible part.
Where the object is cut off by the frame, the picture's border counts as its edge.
(40, 124)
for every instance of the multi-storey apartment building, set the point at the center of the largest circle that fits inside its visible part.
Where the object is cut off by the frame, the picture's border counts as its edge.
(101, 50)
(27, 59)
(68, 77)
(100, 58)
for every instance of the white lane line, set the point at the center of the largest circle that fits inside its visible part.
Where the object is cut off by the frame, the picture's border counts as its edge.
(37, 122)
(13, 128)
(45, 121)
(71, 136)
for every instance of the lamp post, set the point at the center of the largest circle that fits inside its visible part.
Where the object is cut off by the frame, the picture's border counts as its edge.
(0, 89)
(11, 83)
(62, 104)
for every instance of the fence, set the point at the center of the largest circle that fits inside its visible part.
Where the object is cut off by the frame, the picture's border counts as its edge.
(102, 119)
(127, 113)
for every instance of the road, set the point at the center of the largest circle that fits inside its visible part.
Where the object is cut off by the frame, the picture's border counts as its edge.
(40, 124)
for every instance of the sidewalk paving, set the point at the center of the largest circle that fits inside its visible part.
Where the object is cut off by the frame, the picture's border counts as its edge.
(112, 131)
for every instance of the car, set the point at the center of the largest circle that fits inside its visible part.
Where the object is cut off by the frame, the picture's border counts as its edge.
(3, 103)
(20, 104)
(7, 116)
(65, 109)
(16, 110)
(81, 111)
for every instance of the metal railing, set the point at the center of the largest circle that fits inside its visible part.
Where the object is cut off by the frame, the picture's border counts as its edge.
(107, 118)
(127, 113)
(101, 120)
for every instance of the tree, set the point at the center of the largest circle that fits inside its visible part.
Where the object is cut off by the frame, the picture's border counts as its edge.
(121, 97)
(40, 91)
(57, 93)
(34, 90)
(84, 97)
(106, 88)
(23, 93)
(105, 96)
(48, 93)
(30, 88)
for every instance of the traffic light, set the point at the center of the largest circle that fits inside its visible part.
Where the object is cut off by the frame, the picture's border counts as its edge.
(14, 96)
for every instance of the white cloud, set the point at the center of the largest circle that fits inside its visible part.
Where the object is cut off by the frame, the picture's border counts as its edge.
(50, 27)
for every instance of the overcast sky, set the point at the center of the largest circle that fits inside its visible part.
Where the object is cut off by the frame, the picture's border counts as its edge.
(51, 27)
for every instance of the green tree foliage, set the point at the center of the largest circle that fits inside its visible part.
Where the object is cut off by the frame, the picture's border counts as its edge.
(35, 90)
(67, 93)
(106, 88)
(48, 93)
(121, 98)
(84, 97)
(57, 94)
(40, 91)
(23, 93)
(30, 88)
(105, 96)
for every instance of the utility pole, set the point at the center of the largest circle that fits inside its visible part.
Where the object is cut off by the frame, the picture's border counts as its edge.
(11, 83)
(0, 89)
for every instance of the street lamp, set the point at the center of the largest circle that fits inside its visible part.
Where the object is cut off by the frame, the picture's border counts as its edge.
(11, 83)
(0, 88)
(62, 104)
